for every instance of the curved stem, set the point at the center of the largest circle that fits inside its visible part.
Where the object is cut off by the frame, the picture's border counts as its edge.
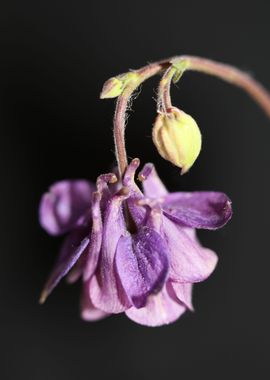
(119, 131)
(164, 93)
(232, 75)
(121, 109)
(175, 66)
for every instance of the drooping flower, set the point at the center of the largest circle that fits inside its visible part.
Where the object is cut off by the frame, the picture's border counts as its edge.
(135, 251)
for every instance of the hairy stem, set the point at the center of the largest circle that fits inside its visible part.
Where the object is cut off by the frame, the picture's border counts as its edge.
(164, 93)
(234, 76)
(175, 67)
(121, 109)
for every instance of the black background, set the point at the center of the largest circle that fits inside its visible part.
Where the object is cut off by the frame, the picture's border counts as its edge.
(55, 56)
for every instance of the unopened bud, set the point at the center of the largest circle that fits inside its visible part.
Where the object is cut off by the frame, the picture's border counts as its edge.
(111, 88)
(177, 138)
(114, 87)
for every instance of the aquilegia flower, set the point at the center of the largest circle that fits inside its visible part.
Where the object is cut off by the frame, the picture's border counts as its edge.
(136, 251)
(145, 267)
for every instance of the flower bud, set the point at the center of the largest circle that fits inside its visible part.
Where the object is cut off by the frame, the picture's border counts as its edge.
(114, 87)
(177, 138)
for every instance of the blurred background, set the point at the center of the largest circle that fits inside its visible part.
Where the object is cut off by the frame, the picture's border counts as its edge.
(55, 56)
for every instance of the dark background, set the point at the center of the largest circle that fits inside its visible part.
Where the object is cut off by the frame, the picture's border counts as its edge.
(55, 56)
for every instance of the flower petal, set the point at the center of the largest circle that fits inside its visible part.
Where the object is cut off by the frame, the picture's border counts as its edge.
(181, 293)
(88, 311)
(64, 204)
(76, 271)
(189, 262)
(142, 264)
(105, 290)
(209, 210)
(103, 188)
(71, 251)
(96, 238)
(137, 213)
(128, 179)
(152, 184)
(87, 263)
(160, 310)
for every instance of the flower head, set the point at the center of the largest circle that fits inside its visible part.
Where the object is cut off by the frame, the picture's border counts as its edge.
(135, 251)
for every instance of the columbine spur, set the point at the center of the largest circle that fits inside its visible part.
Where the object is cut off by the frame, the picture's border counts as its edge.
(136, 251)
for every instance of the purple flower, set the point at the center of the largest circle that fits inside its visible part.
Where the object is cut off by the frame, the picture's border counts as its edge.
(136, 252)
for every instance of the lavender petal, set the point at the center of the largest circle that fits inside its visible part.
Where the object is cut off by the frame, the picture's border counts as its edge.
(137, 213)
(88, 311)
(71, 251)
(182, 293)
(160, 310)
(189, 262)
(105, 290)
(208, 210)
(152, 184)
(87, 263)
(142, 264)
(65, 203)
(96, 238)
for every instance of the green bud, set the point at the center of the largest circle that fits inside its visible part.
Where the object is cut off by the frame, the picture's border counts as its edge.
(111, 88)
(177, 138)
(114, 87)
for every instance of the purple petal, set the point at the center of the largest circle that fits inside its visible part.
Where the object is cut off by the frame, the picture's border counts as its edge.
(77, 270)
(96, 238)
(64, 204)
(189, 262)
(105, 290)
(137, 213)
(129, 181)
(209, 210)
(142, 264)
(87, 263)
(88, 311)
(115, 186)
(181, 293)
(152, 184)
(160, 310)
(71, 251)
(103, 188)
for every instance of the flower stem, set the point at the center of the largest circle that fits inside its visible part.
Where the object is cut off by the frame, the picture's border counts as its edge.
(174, 68)
(164, 94)
(232, 75)
(122, 106)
